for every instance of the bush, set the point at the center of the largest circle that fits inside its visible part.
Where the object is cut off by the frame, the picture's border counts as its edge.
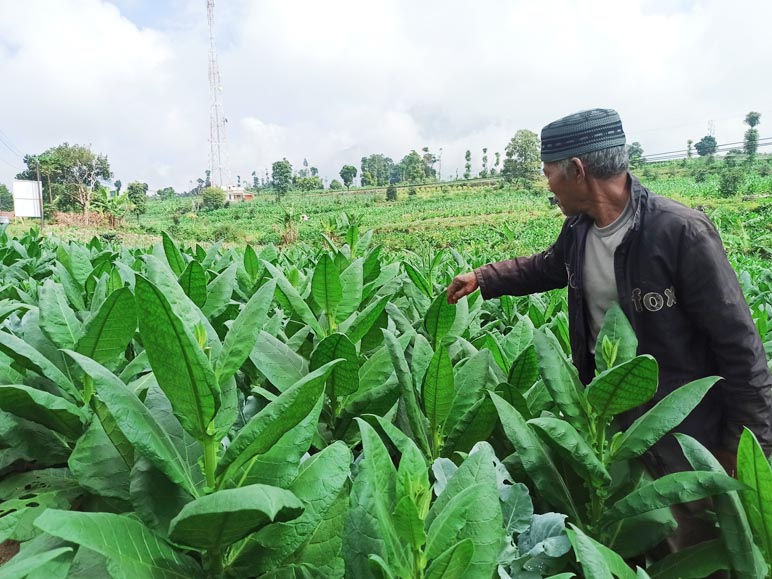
(213, 198)
(411, 191)
(391, 193)
(227, 232)
(730, 181)
(335, 185)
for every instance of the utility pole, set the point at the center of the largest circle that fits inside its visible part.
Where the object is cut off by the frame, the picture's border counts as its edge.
(40, 192)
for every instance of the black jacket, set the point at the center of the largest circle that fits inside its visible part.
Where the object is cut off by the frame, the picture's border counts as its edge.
(683, 300)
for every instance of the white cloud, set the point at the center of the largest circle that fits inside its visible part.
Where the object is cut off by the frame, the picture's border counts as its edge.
(333, 81)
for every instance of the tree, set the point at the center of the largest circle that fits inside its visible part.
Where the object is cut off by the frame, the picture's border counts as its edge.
(113, 205)
(208, 180)
(347, 173)
(635, 154)
(689, 144)
(118, 186)
(166, 193)
(309, 183)
(522, 162)
(468, 165)
(314, 172)
(213, 198)
(495, 169)
(707, 145)
(72, 171)
(411, 168)
(391, 192)
(484, 172)
(335, 185)
(376, 170)
(751, 141)
(255, 181)
(6, 199)
(429, 159)
(137, 193)
(281, 175)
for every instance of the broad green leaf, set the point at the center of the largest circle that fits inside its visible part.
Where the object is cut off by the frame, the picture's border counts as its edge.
(624, 387)
(573, 448)
(57, 319)
(193, 283)
(51, 411)
(732, 520)
(26, 356)
(223, 517)
(416, 419)
(418, 279)
(756, 473)
(344, 379)
(475, 425)
(296, 301)
(25, 441)
(701, 560)
(535, 459)
(561, 379)
(351, 287)
(516, 507)
(438, 389)
(524, 370)
(453, 563)
(219, 292)
(594, 564)
(77, 259)
(420, 358)
(72, 289)
(661, 419)
(133, 551)
(18, 568)
(173, 254)
(98, 466)
(278, 363)
(361, 323)
(273, 421)
(445, 528)
(616, 327)
(251, 263)
(326, 286)
(242, 335)
(518, 338)
(122, 445)
(180, 366)
(439, 319)
(408, 523)
(669, 490)
(111, 329)
(470, 384)
(136, 423)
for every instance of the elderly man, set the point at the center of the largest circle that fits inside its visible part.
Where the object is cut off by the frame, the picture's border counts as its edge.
(664, 264)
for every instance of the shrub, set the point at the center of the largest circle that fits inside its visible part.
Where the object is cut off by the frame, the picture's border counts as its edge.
(411, 191)
(213, 198)
(730, 181)
(227, 232)
(336, 185)
(391, 193)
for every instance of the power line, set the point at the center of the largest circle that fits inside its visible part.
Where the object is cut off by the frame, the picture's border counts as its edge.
(5, 139)
(722, 147)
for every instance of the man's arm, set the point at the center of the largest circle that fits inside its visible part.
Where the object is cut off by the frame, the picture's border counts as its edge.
(709, 292)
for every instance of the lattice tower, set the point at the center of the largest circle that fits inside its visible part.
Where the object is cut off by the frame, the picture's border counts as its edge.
(218, 149)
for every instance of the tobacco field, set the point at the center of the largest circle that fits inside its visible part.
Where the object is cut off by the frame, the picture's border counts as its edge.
(320, 411)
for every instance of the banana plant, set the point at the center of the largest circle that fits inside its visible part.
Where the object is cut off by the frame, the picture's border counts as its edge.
(576, 462)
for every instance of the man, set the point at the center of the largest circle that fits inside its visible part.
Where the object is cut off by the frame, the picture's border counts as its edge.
(664, 264)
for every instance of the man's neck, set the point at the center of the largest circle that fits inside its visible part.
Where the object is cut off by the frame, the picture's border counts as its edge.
(608, 198)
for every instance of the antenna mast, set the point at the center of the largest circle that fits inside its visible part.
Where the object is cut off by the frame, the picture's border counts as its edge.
(218, 163)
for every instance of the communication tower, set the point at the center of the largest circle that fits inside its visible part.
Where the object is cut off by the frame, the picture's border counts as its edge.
(218, 161)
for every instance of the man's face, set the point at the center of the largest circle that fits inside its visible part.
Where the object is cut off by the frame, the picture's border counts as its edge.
(564, 186)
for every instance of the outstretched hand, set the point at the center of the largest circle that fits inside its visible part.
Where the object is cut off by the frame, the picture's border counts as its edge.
(462, 285)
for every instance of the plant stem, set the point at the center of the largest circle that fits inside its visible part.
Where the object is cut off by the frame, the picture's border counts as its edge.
(210, 461)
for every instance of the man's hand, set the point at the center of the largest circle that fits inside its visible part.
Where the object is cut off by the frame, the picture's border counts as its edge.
(462, 285)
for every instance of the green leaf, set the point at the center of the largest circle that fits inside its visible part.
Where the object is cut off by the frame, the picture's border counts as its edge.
(624, 387)
(98, 466)
(438, 389)
(439, 319)
(133, 551)
(535, 459)
(471, 380)
(296, 301)
(351, 286)
(18, 568)
(51, 411)
(326, 286)
(344, 378)
(408, 523)
(57, 319)
(594, 564)
(573, 448)
(418, 279)
(222, 518)
(701, 560)
(251, 263)
(616, 327)
(756, 473)
(273, 421)
(671, 489)
(445, 528)
(517, 508)
(219, 292)
(732, 520)
(173, 254)
(524, 370)
(111, 329)
(242, 335)
(193, 283)
(661, 419)
(561, 379)
(278, 363)
(453, 563)
(475, 425)
(136, 423)
(364, 320)
(181, 368)
(416, 419)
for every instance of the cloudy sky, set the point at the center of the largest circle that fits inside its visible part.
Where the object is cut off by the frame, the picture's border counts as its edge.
(331, 81)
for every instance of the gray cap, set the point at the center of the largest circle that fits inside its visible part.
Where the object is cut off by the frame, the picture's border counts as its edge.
(580, 133)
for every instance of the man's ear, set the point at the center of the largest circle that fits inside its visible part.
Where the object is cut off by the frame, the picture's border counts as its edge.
(581, 174)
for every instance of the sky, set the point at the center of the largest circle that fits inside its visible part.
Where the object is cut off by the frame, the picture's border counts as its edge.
(333, 81)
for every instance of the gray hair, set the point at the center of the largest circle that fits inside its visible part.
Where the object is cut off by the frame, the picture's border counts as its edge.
(602, 164)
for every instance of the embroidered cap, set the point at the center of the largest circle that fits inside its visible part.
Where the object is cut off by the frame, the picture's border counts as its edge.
(580, 133)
